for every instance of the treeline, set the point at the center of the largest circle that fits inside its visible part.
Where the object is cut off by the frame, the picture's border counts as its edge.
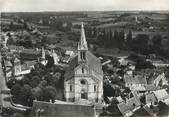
(141, 43)
(112, 39)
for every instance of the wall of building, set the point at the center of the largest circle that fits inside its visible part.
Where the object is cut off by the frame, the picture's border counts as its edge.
(93, 87)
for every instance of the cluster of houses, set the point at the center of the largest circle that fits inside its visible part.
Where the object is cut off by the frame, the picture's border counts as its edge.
(146, 93)
(18, 61)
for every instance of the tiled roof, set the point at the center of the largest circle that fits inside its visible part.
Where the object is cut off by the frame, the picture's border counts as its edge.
(30, 54)
(129, 106)
(8, 63)
(143, 112)
(61, 110)
(93, 63)
(25, 67)
(150, 97)
(162, 78)
(13, 47)
(150, 87)
(135, 80)
(161, 94)
(148, 109)
(123, 108)
(31, 51)
(72, 65)
(30, 63)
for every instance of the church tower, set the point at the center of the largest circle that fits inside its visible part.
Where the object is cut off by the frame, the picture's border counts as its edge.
(17, 67)
(43, 59)
(84, 77)
(82, 46)
(55, 57)
(4, 39)
(43, 53)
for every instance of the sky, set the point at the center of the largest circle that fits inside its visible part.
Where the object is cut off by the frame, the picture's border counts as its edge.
(81, 5)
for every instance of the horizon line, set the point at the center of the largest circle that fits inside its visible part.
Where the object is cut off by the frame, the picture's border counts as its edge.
(122, 10)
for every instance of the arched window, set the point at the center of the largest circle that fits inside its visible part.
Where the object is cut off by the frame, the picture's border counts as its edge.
(82, 70)
(95, 88)
(71, 88)
(82, 55)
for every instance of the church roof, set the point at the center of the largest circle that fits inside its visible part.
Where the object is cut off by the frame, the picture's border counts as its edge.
(93, 63)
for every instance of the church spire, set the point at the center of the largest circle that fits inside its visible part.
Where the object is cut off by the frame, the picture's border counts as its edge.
(82, 45)
(43, 53)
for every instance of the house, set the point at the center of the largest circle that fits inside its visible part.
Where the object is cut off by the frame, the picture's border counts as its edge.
(22, 69)
(8, 69)
(43, 57)
(161, 95)
(3, 40)
(160, 80)
(150, 87)
(130, 106)
(56, 58)
(69, 53)
(136, 82)
(14, 48)
(123, 62)
(30, 63)
(151, 99)
(143, 112)
(30, 54)
(61, 109)
(84, 76)
(119, 99)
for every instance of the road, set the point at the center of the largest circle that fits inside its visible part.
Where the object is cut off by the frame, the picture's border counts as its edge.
(3, 89)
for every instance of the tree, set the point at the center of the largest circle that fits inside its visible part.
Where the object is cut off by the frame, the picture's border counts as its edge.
(12, 25)
(15, 90)
(26, 95)
(42, 84)
(34, 81)
(25, 80)
(49, 93)
(108, 91)
(113, 109)
(37, 93)
(11, 83)
(116, 39)
(109, 38)
(141, 43)
(163, 109)
(121, 39)
(50, 62)
(129, 40)
(157, 39)
(143, 64)
(102, 37)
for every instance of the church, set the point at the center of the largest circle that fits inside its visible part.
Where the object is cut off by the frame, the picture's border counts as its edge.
(84, 76)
